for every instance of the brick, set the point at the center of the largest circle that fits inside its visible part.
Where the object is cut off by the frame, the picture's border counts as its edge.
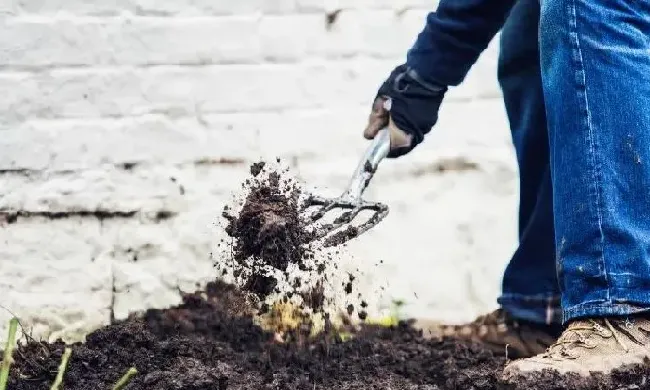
(145, 7)
(132, 41)
(19, 104)
(72, 93)
(355, 32)
(296, 37)
(224, 88)
(50, 316)
(77, 144)
(152, 262)
(47, 266)
(344, 83)
(279, 6)
(395, 5)
(79, 7)
(287, 38)
(8, 8)
(178, 91)
(198, 7)
(388, 35)
(146, 189)
(306, 134)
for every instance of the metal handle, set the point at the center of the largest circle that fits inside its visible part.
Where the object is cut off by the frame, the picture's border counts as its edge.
(377, 151)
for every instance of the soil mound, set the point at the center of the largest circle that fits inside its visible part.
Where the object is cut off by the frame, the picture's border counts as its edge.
(211, 342)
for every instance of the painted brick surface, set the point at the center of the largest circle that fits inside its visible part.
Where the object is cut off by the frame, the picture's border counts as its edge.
(126, 125)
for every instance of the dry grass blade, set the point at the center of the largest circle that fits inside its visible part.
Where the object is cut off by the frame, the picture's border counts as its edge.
(58, 381)
(7, 358)
(125, 379)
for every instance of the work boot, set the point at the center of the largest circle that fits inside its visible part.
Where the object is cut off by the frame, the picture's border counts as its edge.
(504, 335)
(596, 345)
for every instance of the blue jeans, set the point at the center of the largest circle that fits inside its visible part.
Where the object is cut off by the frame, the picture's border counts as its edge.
(575, 76)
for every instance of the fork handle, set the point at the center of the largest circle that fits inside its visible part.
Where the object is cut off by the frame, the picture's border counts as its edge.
(377, 151)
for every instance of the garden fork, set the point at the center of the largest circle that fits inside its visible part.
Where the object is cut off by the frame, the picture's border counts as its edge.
(351, 200)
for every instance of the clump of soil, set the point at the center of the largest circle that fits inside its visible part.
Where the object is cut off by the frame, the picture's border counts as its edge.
(210, 341)
(268, 228)
(272, 250)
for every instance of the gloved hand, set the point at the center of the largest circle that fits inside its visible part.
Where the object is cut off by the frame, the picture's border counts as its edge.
(409, 106)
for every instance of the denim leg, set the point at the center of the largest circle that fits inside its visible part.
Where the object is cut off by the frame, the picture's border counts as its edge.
(595, 59)
(530, 288)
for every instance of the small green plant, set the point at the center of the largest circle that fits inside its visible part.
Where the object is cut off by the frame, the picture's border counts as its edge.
(391, 320)
(7, 358)
(62, 367)
(125, 379)
(7, 361)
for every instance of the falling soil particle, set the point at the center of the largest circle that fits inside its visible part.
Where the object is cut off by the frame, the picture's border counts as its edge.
(257, 167)
(261, 285)
(211, 342)
(315, 297)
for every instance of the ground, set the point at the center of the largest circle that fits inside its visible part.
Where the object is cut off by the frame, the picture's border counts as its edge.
(210, 342)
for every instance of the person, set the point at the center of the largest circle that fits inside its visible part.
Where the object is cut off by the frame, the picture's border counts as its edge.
(575, 77)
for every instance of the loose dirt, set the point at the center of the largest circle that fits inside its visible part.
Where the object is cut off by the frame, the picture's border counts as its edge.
(210, 341)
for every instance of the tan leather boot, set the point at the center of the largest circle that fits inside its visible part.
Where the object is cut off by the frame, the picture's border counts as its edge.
(590, 345)
(501, 333)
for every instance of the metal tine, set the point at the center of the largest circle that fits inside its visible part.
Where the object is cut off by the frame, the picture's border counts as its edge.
(348, 216)
(338, 222)
(322, 211)
(380, 213)
(328, 205)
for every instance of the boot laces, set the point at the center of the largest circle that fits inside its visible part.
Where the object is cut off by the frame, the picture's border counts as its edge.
(578, 336)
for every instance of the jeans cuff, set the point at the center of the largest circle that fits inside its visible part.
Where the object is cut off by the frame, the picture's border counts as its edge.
(541, 309)
(601, 309)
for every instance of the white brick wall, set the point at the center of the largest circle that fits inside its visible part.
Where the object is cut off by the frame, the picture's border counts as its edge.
(125, 125)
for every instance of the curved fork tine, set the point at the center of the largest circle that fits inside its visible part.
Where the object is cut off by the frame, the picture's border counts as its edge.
(381, 213)
(338, 222)
(321, 212)
(380, 210)
(348, 216)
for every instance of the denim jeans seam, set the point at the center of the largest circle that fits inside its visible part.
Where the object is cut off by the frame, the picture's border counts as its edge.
(536, 298)
(542, 309)
(599, 309)
(593, 144)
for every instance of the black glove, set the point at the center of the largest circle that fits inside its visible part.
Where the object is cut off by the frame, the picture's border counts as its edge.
(413, 105)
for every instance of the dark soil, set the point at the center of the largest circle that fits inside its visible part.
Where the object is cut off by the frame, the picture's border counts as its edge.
(268, 227)
(210, 342)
